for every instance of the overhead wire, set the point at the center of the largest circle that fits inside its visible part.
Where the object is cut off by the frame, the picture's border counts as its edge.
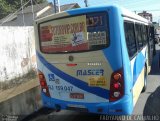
(15, 13)
(37, 4)
(133, 5)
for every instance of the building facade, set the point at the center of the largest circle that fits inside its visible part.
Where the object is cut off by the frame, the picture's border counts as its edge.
(146, 15)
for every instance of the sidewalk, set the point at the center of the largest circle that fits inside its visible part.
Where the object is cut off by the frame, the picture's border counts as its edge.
(10, 93)
(23, 99)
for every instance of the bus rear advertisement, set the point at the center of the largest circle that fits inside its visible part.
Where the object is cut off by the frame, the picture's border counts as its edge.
(94, 60)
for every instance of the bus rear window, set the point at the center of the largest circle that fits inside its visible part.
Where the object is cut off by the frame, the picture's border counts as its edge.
(75, 34)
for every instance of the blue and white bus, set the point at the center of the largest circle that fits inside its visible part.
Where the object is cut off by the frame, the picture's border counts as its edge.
(93, 59)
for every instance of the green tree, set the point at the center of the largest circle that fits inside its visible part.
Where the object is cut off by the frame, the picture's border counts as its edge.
(17, 3)
(4, 8)
(10, 6)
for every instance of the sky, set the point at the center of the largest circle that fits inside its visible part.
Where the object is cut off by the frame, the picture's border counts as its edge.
(151, 6)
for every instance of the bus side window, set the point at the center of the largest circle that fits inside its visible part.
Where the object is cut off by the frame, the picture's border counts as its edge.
(139, 39)
(130, 39)
(144, 34)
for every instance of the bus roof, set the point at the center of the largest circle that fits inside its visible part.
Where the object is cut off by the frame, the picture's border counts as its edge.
(123, 11)
(132, 15)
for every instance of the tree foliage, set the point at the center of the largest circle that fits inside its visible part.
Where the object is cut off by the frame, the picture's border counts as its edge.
(4, 8)
(10, 6)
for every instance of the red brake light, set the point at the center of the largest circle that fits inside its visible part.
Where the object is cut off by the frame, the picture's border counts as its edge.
(116, 85)
(43, 83)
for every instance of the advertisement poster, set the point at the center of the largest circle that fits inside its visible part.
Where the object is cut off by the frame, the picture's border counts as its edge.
(63, 35)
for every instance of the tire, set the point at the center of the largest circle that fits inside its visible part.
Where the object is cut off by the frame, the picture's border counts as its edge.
(145, 79)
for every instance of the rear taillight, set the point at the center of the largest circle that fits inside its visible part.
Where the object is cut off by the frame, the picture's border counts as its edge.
(43, 83)
(116, 85)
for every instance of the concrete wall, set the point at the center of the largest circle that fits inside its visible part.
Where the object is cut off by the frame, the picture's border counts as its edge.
(17, 52)
(19, 86)
(22, 104)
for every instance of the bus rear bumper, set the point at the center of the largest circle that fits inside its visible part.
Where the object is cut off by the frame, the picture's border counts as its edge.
(120, 107)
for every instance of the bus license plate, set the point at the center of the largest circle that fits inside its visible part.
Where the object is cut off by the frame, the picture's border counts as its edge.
(77, 95)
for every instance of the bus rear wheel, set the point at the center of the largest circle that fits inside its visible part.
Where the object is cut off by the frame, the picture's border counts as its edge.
(145, 79)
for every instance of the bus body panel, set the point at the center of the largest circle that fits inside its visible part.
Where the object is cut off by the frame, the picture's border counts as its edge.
(75, 79)
(63, 80)
(120, 107)
(133, 68)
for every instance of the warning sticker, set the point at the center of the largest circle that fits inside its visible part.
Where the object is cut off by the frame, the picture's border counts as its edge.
(97, 81)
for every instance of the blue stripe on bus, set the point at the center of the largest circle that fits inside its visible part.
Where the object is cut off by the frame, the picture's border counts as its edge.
(74, 81)
(138, 66)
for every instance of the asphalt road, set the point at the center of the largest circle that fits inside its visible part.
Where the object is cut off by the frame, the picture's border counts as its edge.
(147, 104)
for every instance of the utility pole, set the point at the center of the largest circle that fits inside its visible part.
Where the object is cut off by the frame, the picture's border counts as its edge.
(22, 12)
(56, 4)
(86, 3)
(32, 9)
(59, 6)
(55, 8)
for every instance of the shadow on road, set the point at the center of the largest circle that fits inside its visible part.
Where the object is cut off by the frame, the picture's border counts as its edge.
(152, 106)
(43, 112)
(81, 117)
(46, 114)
